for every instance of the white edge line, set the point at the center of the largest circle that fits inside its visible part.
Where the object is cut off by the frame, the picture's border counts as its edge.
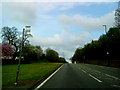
(112, 76)
(48, 78)
(95, 78)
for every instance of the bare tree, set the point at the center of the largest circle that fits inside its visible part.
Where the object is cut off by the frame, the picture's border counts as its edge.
(10, 35)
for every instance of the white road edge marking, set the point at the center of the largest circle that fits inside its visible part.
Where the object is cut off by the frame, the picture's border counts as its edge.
(112, 76)
(115, 86)
(95, 78)
(48, 78)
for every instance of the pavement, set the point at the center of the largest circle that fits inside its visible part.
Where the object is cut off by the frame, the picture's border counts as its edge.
(82, 76)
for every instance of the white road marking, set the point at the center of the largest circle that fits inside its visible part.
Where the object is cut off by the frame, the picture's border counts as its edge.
(115, 86)
(95, 78)
(112, 76)
(84, 71)
(47, 78)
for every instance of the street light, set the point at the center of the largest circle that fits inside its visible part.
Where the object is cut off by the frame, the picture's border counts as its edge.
(105, 28)
(25, 30)
(107, 53)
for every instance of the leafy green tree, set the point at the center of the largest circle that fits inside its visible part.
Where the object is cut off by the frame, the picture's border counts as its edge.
(117, 17)
(52, 55)
(61, 60)
(79, 55)
(114, 44)
(40, 50)
(31, 53)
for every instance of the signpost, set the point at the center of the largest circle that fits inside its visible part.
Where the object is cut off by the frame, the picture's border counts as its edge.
(26, 30)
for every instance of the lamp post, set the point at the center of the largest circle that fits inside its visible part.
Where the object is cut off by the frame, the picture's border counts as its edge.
(105, 28)
(25, 30)
(107, 53)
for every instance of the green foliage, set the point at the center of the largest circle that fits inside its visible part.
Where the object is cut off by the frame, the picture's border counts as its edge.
(52, 55)
(61, 59)
(117, 17)
(107, 47)
(32, 53)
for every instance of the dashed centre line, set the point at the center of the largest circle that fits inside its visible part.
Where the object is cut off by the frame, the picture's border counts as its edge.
(84, 71)
(112, 76)
(115, 86)
(95, 78)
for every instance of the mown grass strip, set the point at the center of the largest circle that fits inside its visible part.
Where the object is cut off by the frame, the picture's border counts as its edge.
(29, 73)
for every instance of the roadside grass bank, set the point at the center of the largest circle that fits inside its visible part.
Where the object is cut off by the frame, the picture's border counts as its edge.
(29, 74)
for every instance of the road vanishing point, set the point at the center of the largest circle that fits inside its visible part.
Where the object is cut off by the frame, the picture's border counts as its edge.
(82, 76)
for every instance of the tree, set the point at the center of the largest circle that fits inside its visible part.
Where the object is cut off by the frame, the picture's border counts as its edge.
(52, 55)
(0, 50)
(117, 16)
(61, 60)
(12, 36)
(40, 50)
(31, 53)
(7, 50)
(114, 44)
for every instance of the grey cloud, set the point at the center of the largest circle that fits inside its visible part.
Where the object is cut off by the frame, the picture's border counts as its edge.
(21, 12)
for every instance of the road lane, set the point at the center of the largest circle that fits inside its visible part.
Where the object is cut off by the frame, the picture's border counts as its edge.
(110, 76)
(108, 70)
(72, 76)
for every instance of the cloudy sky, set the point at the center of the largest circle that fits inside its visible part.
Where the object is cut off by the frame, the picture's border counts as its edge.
(62, 26)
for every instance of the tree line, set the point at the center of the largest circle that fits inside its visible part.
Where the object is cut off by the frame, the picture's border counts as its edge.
(11, 46)
(107, 47)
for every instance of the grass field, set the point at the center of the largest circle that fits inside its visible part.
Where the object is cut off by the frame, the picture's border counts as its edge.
(29, 73)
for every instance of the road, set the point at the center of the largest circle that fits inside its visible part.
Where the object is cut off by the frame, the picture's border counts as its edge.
(83, 76)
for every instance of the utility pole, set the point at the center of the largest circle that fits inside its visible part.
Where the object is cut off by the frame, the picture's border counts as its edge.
(105, 26)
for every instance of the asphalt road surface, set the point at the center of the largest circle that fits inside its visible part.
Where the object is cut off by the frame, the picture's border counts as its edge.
(83, 76)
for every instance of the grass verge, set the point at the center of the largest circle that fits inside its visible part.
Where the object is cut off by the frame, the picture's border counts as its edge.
(29, 74)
